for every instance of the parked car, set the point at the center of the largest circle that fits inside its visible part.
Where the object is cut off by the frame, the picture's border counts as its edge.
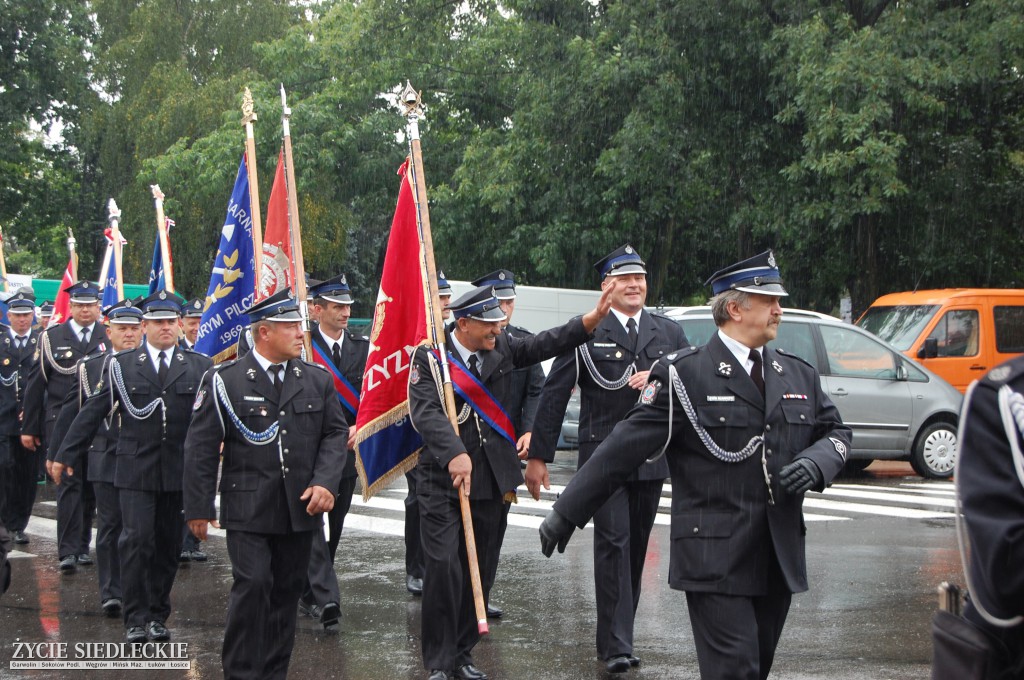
(898, 410)
(569, 437)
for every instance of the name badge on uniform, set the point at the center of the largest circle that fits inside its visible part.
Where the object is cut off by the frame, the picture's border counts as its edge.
(605, 344)
(252, 398)
(726, 397)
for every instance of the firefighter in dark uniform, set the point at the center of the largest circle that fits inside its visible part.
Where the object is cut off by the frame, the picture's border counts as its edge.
(524, 397)
(152, 389)
(284, 438)
(45, 314)
(989, 480)
(51, 378)
(609, 371)
(124, 322)
(19, 344)
(337, 348)
(746, 430)
(191, 317)
(481, 459)
(413, 549)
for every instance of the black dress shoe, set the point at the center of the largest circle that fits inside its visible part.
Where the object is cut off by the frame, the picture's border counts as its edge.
(198, 556)
(135, 634)
(111, 606)
(156, 632)
(330, 615)
(69, 564)
(470, 672)
(185, 556)
(634, 660)
(494, 612)
(414, 585)
(439, 675)
(20, 538)
(84, 559)
(617, 664)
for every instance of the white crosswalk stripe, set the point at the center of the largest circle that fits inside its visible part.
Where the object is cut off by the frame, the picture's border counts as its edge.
(843, 501)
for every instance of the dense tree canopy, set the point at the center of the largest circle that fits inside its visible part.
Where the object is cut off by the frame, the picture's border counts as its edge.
(875, 145)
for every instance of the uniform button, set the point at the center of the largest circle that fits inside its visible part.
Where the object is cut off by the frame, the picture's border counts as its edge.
(284, 431)
(696, 530)
(286, 451)
(281, 413)
(768, 428)
(286, 469)
(309, 406)
(803, 417)
(721, 419)
(484, 441)
(769, 452)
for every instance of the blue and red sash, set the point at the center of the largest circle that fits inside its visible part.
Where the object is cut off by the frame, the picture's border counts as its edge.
(347, 395)
(469, 387)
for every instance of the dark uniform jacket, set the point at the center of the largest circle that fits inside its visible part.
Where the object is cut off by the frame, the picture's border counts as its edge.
(14, 368)
(52, 374)
(101, 455)
(354, 349)
(527, 383)
(600, 408)
(150, 450)
(992, 494)
(723, 525)
(260, 485)
(496, 469)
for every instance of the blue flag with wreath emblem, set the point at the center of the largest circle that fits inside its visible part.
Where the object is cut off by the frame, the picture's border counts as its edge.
(232, 287)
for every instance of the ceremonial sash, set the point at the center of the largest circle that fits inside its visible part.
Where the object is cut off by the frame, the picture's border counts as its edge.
(347, 395)
(469, 387)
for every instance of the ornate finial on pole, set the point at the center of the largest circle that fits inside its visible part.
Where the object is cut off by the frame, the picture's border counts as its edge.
(248, 111)
(157, 194)
(73, 254)
(411, 101)
(113, 212)
(286, 113)
(114, 217)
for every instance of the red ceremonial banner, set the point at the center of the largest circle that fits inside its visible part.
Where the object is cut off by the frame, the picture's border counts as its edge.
(277, 273)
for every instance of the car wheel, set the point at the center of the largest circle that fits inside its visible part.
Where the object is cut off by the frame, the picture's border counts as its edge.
(855, 466)
(934, 454)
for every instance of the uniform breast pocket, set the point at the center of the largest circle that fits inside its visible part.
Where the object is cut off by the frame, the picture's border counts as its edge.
(185, 387)
(728, 424)
(256, 415)
(701, 546)
(127, 447)
(799, 421)
(140, 389)
(238, 497)
(308, 413)
(654, 352)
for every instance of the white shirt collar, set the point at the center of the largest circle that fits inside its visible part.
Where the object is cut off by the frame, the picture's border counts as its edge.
(264, 362)
(78, 329)
(329, 341)
(154, 355)
(740, 351)
(463, 352)
(15, 336)
(623, 318)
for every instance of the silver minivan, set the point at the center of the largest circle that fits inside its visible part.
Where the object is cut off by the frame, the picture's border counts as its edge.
(898, 409)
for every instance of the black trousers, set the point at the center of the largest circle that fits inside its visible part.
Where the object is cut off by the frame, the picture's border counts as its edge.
(735, 635)
(321, 581)
(149, 545)
(76, 505)
(108, 532)
(19, 485)
(449, 624)
(413, 550)
(268, 572)
(622, 530)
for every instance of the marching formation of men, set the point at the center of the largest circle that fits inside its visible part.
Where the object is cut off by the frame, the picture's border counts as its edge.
(140, 430)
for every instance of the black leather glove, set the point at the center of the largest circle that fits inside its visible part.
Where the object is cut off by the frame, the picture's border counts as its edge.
(800, 476)
(555, 530)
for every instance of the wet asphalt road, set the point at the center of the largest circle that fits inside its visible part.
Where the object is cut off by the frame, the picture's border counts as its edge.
(873, 577)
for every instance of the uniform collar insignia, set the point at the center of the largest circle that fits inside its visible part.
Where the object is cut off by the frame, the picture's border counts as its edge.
(297, 371)
(251, 372)
(725, 369)
(777, 366)
(142, 357)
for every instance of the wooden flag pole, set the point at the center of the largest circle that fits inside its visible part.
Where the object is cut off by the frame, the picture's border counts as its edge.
(248, 117)
(410, 102)
(73, 255)
(161, 230)
(293, 222)
(114, 217)
(3, 264)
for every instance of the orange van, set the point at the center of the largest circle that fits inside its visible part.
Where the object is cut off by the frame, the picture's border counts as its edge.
(959, 333)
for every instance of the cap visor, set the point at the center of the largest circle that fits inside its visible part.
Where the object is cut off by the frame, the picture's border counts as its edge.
(768, 289)
(627, 269)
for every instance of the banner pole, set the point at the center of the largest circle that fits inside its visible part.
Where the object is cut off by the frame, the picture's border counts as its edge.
(411, 103)
(114, 217)
(161, 230)
(293, 223)
(248, 117)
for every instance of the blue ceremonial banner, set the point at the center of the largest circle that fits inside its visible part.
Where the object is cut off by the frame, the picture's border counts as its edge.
(108, 276)
(156, 270)
(233, 280)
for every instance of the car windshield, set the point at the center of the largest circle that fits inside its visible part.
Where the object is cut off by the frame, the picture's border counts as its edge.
(899, 325)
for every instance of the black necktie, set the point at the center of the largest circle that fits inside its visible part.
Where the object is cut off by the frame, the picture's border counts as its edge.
(473, 368)
(275, 377)
(20, 342)
(757, 370)
(631, 332)
(85, 337)
(162, 371)
(336, 354)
